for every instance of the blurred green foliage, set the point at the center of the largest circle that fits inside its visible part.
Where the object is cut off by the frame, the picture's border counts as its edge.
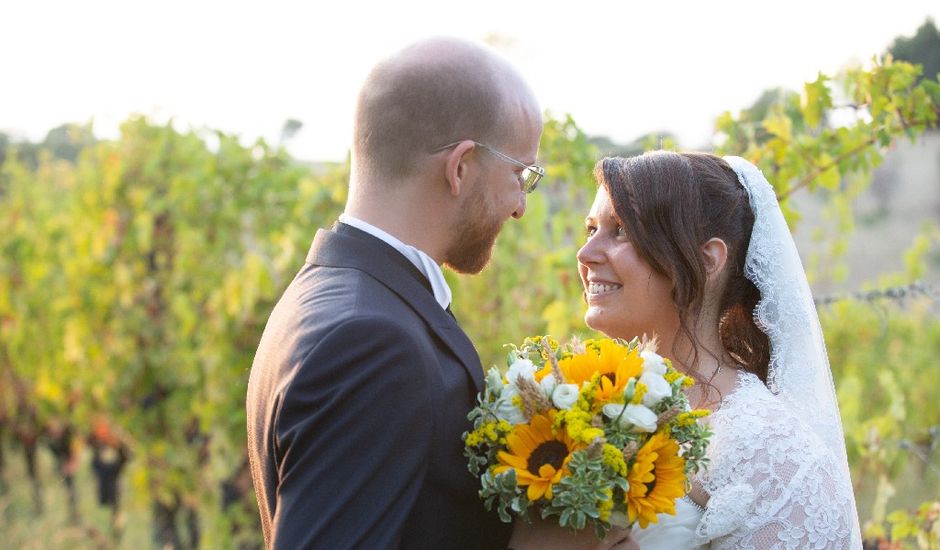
(135, 281)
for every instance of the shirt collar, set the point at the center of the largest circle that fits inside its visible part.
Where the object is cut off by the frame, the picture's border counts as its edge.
(425, 264)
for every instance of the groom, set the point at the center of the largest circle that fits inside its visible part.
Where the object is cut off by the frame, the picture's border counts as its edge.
(361, 385)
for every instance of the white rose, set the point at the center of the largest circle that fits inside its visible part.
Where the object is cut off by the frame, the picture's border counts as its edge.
(565, 395)
(640, 417)
(653, 362)
(548, 385)
(657, 389)
(520, 367)
(506, 409)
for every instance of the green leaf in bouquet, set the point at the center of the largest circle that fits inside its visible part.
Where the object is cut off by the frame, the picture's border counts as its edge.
(693, 439)
(475, 463)
(621, 483)
(520, 505)
(577, 498)
(494, 385)
(620, 435)
(632, 344)
(501, 491)
(578, 520)
(475, 415)
(565, 519)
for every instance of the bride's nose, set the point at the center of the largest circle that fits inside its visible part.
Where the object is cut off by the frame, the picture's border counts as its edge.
(589, 252)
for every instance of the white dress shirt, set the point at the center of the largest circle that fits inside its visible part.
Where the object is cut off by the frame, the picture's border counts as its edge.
(425, 264)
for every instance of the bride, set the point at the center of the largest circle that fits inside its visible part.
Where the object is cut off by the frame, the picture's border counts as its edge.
(694, 248)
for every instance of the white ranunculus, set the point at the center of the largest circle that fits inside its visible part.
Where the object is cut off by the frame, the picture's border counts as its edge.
(639, 416)
(506, 409)
(657, 389)
(520, 367)
(565, 395)
(653, 362)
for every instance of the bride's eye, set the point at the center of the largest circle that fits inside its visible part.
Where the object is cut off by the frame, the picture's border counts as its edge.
(589, 231)
(621, 231)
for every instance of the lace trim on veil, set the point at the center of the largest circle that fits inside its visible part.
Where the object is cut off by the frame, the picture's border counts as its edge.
(760, 460)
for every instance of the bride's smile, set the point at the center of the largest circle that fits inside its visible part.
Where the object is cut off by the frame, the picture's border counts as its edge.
(597, 288)
(624, 294)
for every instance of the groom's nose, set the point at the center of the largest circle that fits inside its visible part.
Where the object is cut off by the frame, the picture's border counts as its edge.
(520, 209)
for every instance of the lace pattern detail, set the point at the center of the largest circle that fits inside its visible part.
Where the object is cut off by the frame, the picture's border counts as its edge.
(771, 482)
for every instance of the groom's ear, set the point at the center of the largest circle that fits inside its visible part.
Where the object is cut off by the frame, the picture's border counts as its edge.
(715, 254)
(457, 167)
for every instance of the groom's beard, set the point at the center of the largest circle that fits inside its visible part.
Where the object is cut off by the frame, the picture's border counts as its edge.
(476, 233)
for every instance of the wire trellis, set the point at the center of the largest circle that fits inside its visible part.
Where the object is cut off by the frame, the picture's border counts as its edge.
(897, 294)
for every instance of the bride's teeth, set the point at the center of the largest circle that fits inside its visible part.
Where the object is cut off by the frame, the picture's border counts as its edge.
(598, 288)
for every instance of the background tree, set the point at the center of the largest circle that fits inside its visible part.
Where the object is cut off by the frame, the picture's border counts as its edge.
(66, 141)
(653, 140)
(289, 129)
(923, 49)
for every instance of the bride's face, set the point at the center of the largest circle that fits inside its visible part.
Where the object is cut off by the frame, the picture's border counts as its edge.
(625, 296)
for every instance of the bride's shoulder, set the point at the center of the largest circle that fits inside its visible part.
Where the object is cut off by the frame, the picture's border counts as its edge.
(752, 406)
(754, 423)
(768, 472)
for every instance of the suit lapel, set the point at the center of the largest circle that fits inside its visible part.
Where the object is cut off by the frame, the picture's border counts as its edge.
(356, 249)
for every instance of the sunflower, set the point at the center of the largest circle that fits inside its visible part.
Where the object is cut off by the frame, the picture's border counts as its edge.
(538, 454)
(657, 479)
(615, 363)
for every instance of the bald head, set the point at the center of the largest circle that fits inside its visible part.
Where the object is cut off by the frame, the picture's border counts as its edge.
(431, 94)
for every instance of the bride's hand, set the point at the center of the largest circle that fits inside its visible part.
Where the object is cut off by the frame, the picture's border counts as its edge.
(548, 535)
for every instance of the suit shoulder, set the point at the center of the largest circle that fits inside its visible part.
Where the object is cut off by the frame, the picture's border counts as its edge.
(322, 318)
(342, 291)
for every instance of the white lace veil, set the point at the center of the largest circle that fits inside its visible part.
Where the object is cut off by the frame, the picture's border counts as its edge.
(799, 366)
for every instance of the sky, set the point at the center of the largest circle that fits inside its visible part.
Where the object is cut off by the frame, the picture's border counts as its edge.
(621, 69)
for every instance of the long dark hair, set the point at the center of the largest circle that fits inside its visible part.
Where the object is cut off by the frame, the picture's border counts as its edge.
(671, 204)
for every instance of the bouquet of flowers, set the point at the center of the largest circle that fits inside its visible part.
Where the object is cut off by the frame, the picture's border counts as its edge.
(599, 432)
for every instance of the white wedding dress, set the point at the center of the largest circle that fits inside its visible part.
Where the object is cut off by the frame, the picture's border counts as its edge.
(777, 475)
(771, 483)
(672, 532)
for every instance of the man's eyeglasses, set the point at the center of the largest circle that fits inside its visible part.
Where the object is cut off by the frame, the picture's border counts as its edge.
(528, 179)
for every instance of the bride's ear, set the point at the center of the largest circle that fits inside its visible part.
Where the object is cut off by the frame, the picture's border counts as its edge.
(715, 254)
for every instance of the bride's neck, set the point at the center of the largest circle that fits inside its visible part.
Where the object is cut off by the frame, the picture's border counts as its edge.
(708, 363)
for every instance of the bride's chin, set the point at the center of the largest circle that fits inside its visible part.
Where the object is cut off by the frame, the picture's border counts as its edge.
(595, 320)
(606, 326)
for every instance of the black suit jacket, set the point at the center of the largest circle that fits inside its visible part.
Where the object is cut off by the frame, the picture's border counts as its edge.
(357, 399)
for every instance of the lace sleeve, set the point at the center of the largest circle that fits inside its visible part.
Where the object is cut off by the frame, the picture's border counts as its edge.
(770, 483)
